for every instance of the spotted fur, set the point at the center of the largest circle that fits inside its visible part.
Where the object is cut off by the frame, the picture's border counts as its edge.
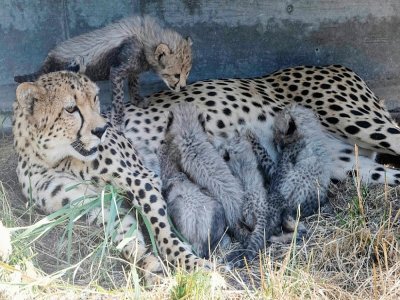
(62, 140)
(348, 110)
(227, 104)
(120, 51)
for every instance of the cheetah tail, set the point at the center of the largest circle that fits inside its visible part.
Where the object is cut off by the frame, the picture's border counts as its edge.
(27, 77)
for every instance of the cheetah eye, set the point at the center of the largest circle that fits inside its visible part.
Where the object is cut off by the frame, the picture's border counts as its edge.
(96, 98)
(177, 76)
(71, 109)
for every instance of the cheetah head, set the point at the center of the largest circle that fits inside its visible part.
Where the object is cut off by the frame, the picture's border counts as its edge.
(185, 122)
(173, 65)
(294, 123)
(59, 116)
(235, 150)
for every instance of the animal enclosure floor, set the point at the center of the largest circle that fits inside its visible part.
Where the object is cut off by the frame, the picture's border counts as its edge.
(351, 250)
(8, 176)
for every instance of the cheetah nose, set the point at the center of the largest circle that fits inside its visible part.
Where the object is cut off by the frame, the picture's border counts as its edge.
(99, 131)
(176, 87)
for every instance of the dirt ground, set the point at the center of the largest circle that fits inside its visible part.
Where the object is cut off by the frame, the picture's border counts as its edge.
(8, 164)
(23, 212)
(343, 245)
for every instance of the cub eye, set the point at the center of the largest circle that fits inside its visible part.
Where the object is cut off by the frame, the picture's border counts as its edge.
(71, 109)
(177, 76)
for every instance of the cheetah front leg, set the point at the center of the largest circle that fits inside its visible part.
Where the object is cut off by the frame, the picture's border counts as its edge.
(54, 190)
(117, 76)
(128, 172)
(267, 224)
(345, 162)
(136, 99)
(265, 161)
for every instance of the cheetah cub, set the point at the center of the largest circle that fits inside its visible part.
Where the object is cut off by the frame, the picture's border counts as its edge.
(197, 216)
(5, 245)
(238, 154)
(299, 178)
(201, 162)
(120, 51)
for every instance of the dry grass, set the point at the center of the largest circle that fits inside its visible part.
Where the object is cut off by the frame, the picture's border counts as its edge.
(351, 252)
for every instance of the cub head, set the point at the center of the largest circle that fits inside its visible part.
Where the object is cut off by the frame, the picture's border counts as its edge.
(173, 64)
(236, 151)
(295, 123)
(58, 116)
(185, 121)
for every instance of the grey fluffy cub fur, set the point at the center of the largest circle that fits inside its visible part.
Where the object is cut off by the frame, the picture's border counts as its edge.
(120, 51)
(300, 177)
(149, 158)
(303, 172)
(238, 154)
(202, 163)
(260, 213)
(198, 217)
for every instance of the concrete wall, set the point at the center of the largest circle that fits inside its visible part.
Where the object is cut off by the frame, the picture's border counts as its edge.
(232, 38)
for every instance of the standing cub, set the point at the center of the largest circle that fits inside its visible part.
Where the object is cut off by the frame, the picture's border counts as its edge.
(120, 51)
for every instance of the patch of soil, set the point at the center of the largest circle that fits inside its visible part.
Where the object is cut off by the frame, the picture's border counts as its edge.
(8, 175)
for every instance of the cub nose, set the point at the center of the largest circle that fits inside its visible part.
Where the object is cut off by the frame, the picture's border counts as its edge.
(177, 87)
(99, 131)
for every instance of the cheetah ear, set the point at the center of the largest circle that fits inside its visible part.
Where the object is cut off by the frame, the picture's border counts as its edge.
(161, 51)
(226, 156)
(189, 40)
(202, 121)
(281, 122)
(291, 127)
(170, 119)
(285, 124)
(28, 94)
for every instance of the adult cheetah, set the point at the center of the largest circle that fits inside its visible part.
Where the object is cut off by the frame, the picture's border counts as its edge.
(348, 110)
(62, 141)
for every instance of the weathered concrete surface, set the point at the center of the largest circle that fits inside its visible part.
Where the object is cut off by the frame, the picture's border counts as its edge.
(232, 38)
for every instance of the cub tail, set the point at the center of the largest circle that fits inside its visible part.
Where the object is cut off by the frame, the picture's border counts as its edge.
(27, 77)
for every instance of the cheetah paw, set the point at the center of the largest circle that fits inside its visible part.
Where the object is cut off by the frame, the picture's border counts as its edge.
(5, 245)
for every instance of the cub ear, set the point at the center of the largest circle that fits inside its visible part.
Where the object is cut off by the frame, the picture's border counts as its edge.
(281, 122)
(189, 40)
(202, 120)
(27, 94)
(291, 127)
(285, 123)
(161, 51)
(170, 119)
(77, 65)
